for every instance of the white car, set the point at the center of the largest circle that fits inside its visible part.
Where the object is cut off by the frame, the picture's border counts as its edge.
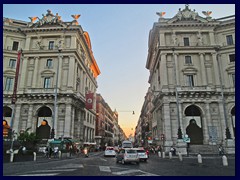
(142, 154)
(109, 151)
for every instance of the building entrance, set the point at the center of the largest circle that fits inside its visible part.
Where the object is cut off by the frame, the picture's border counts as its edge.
(194, 128)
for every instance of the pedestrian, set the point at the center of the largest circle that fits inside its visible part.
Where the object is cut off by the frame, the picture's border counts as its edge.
(50, 151)
(55, 151)
(220, 150)
(173, 151)
(46, 152)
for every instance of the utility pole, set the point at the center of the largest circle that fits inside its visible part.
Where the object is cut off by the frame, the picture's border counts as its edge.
(14, 96)
(179, 133)
(52, 135)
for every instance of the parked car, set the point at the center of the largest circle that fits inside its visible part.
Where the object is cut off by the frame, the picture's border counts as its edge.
(142, 154)
(127, 155)
(109, 151)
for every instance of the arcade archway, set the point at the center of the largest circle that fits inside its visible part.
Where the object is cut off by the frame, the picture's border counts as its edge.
(194, 128)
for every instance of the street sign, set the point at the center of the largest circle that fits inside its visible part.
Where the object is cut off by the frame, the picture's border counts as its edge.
(186, 139)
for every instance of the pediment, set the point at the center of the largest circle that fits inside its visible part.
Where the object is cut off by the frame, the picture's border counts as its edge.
(187, 16)
(48, 20)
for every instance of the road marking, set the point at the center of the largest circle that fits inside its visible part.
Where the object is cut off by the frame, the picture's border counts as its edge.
(103, 159)
(126, 172)
(147, 174)
(71, 166)
(52, 174)
(51, 170)
(105, 168)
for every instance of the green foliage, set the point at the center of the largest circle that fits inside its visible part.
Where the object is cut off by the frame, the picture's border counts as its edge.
(29, 140)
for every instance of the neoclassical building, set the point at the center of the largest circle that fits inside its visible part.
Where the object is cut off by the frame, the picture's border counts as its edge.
(191, 60)
(56, 71)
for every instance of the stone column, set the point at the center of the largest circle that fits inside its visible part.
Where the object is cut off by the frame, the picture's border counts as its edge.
(17, 117)
(215, 69)
(71, 73)
(167, 126)
(163, 72)
(30, 116)
(176, 66)
(27, 43)
(60, 72)
(23, 75)
(205, 130)
(212, 39)
(35, 73)
(68, 120)
(203, 69)
(72, 122)
(162, 39)
(73, 42)
(222, 120)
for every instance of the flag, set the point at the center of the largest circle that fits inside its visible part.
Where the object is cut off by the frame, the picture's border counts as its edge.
(89, 101)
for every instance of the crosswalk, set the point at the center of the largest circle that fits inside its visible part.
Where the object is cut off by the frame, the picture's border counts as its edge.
(112, 170)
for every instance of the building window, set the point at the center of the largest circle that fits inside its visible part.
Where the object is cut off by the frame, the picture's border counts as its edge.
(190, 81)
(232, 57)
(229, 40)
(186, 41)
(49, 63)
(233, 79)
(47, 82)
(12, 63)
(51, 45)
(15, 46)
(188, 60)
(9, 84)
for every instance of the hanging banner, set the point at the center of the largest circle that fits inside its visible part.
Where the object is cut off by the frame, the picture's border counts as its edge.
(89, 101)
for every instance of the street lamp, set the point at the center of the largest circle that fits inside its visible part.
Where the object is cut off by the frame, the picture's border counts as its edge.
(227, 132)
(179, 133)
(55, 93)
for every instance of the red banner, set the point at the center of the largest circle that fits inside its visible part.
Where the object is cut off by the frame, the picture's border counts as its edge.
(89, 101)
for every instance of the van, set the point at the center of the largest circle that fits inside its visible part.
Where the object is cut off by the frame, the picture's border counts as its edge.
(127, 144)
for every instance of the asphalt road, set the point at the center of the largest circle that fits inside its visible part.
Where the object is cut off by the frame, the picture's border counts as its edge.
(98, 165)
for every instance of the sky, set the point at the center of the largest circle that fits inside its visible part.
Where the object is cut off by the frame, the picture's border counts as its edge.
(119, 38)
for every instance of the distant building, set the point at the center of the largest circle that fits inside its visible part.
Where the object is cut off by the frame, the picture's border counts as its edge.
(50, 47)
(108, 132)
(191, 61)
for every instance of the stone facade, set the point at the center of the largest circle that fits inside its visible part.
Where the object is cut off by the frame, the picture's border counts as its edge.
(191, 60)
(56, 62)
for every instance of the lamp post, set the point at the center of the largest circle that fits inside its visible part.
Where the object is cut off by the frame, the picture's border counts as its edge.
(227, 132)
(179, 133)
(55, 94)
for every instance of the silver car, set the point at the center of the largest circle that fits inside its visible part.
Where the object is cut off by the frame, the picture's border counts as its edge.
(127, 155)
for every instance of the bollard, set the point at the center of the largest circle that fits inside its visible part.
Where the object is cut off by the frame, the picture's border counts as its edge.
(59, 154)
(163, 155)
(170, 155)
(159, 154)
(224, 160)
(11, 155)
(199, 157)
(180, 156)
(34, 156)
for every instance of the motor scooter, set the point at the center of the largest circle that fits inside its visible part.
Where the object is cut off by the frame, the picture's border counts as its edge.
(85, 152)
